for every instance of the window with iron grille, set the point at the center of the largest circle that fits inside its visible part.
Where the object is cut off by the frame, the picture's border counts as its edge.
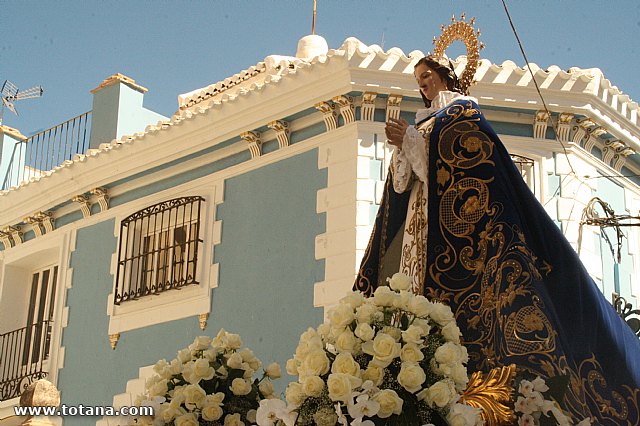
(158, 249)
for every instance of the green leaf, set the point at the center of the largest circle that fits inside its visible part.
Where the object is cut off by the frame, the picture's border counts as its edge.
(558, 386)
(404, 321)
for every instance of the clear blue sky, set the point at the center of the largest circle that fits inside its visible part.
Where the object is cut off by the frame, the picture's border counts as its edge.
(173, 47)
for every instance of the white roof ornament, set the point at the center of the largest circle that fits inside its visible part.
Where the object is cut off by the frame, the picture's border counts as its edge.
(311, 46)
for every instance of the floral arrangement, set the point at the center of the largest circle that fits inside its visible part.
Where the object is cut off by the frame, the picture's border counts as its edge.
(536, 406)
(392, 359)
(208, 383)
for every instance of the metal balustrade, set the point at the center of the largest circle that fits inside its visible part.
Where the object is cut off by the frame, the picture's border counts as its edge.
(46, 150)
(23, 358)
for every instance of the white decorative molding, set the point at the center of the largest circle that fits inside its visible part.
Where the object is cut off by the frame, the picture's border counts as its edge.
(5, 238)
(615, 153)
(282, 132)
(564, 126)
(368, 108)
(16, 234)
(35, 225)
(581, 130)
(329, 115)
(346, 107)
(46, 221)
(540, 124)
(103, 198)
(85, 205)
(393, 107)
(254, 142)
(592, 138)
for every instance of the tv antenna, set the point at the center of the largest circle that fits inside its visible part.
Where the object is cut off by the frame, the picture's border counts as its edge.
(10, 94)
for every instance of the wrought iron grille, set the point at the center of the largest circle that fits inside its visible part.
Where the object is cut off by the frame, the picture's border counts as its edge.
(47, 150)
(158, 249)
(23, 356)
(526, 167)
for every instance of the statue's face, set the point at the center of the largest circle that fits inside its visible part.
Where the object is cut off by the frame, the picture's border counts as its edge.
(429, 81)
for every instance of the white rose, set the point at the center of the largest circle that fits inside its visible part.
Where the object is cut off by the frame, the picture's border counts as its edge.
(346, 342)
(402, 300)
(442, 314)
(463, 415)
(384, 296)
(374, 373)
(420, 306)
(175, 367)
(184, 355)
(341, 316)
(315, 364)
(390, 403)
(399, 281)
(364, 314)
(324, 329)
(178, 395)
(423, 324)
(159, 388)
(161, 368)
(252, 416)
(353, 299)
(294, 393)
(413, 334)
(202, 369)
(215, 399)
(200, 343)
(273, 371)
(189, 373)
(170, 411)
(459, 376)
(344, 363)
(411, 376)
(211, 412)
(266, 388)
(248, 357)
(194, 396)
(233, 341)
(292, 367)
(449, 353)
(451, 332)
(234, 361)
(312, 385)
(411, 353)
(233, 420)
(240, 386)
(364, 332)
(393, 332)
(384, 349)
(188, 419)
(309, 341)
(441, 393)
(339, 386)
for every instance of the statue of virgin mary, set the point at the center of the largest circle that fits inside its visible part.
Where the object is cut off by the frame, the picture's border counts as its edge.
(459, 219)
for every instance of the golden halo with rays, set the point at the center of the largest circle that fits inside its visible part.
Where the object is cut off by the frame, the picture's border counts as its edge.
(464, 32)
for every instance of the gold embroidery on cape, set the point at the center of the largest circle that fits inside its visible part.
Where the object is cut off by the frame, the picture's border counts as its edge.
(496, 259)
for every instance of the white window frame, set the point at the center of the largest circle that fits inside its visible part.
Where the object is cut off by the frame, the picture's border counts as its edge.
(169, 305)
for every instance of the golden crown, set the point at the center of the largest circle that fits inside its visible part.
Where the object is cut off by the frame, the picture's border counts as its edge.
(464, 32)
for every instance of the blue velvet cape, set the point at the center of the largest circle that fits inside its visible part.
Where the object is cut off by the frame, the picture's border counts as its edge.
(518, 290)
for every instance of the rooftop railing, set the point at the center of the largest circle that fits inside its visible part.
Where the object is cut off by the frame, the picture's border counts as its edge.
(23, 358)
(46, 150)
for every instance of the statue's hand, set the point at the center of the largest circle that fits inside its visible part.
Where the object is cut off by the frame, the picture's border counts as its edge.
(395, 130)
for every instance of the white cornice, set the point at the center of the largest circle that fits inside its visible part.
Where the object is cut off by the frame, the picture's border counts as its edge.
(289, 85)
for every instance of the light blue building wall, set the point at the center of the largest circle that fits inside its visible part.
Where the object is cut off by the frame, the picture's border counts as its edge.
(267, 266)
